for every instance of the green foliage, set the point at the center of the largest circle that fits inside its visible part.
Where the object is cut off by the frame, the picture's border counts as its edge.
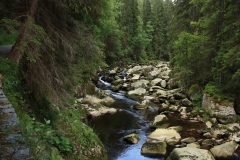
(216, 91)
(63, 144)
(8, 31)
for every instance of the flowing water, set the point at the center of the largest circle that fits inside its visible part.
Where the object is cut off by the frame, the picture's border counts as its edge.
(111, 128)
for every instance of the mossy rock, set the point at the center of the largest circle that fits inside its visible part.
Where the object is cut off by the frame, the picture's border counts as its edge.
(154, 148)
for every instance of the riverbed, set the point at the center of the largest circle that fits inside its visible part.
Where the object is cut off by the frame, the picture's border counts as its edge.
(111, 128)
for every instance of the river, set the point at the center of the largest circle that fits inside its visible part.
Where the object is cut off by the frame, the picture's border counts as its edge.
(111, 128)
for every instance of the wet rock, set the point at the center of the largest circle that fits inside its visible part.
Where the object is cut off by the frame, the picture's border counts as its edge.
(188, 140)
(154, 149)
(140, 106)
(116, 87)
(224, 151)
(224, 113)
(160, 121)
(164, 134)
(132, 138)
(190, 153)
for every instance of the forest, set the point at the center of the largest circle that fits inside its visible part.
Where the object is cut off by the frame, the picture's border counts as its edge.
(58, 45)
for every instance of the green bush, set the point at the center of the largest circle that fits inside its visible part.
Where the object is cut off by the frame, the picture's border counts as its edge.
(216, 91)
(63, 144)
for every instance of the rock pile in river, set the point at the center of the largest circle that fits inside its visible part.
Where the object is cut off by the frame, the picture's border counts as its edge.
(152, 83)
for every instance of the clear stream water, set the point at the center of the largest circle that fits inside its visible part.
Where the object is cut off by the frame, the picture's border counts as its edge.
(111, 128)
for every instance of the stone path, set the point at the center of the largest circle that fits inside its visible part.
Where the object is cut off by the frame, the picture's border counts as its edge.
(11, 146)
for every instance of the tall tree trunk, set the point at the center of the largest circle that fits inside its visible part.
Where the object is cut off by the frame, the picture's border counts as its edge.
(24, 36)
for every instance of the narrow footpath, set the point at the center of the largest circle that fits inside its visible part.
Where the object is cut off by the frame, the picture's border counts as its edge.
(11, 146)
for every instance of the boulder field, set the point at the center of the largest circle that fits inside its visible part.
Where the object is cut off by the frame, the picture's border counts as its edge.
(153, 84)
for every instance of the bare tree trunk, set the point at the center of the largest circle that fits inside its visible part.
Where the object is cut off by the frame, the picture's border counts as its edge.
(24, 36)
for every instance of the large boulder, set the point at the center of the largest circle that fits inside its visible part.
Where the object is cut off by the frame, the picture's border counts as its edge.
(160, 121)
(140, 84)
(156, 82)
(146, 70)
(94, 106)
(154, 149)
(134, 70)
(224, 113)
(136, 94)
(190, 153)
(225, 150)
(164, 134)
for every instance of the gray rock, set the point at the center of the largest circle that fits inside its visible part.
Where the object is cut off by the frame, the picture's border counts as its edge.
(160, 121)
(154, 149)
(190, 153)
(156, 82)
(138, 91)
(140, 84)
(224, 114)
(224, 151)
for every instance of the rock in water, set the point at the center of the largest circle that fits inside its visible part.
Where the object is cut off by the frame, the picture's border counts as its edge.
(164, 134)
(154, 149)
(132, 138)
(224, 151)
(190, 153)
